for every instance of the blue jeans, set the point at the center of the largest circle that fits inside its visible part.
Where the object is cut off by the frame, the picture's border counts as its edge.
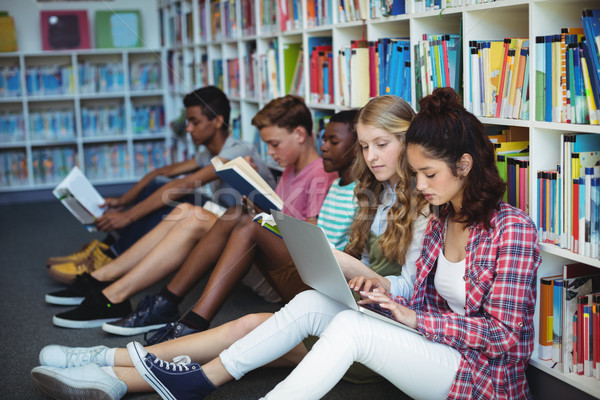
(134, 231)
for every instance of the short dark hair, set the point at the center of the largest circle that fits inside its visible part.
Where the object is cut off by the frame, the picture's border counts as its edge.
(347, 117)
(287, 112)
(446, 131)
(211, 100)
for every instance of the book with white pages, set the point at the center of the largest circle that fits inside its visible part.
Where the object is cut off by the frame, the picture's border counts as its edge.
(318, 267)
(240, 175)
(80, 197)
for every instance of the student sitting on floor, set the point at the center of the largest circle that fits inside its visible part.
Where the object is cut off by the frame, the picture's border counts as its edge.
(384, 232)
(143, 206)
(286, 125)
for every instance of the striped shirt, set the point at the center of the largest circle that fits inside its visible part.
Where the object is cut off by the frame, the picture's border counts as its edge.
(337, 213)
(495, 336)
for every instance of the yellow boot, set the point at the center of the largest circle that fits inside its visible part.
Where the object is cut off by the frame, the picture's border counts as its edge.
(66, 272)
(82, 254)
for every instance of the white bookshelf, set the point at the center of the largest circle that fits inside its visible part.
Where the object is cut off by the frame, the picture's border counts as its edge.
(123, 100)
(491, 20)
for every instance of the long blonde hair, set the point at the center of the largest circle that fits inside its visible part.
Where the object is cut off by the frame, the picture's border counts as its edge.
(393, 115)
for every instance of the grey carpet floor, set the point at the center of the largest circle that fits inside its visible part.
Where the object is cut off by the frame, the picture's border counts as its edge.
(29, 233)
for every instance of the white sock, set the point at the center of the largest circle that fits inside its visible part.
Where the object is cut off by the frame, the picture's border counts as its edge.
(109, 371)
(109, 357)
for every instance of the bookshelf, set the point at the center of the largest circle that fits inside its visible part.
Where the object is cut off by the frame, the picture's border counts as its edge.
(103, 110)
(247, 32)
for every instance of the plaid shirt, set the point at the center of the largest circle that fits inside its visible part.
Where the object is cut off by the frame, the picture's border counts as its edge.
(495, 336)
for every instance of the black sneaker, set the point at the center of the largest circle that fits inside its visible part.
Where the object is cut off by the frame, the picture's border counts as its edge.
(74, 294)
(92, 312)
(170, 331)
(153, 312)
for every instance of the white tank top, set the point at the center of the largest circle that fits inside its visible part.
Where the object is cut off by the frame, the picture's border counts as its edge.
(450, 284)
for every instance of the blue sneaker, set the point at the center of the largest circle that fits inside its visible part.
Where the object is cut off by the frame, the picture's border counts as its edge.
(180, 379)
(170, 331)
(153, 312)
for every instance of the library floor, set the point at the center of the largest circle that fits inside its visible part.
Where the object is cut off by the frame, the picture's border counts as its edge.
(29, 233)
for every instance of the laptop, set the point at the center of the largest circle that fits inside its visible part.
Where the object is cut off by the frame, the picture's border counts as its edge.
(318, 267)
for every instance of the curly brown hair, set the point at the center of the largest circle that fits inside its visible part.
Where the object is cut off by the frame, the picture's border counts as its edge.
(446, 130)
(394, 115)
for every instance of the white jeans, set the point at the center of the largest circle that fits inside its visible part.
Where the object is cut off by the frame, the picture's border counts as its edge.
(420, 368)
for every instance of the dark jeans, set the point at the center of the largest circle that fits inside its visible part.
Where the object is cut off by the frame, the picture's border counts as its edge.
(133, 232)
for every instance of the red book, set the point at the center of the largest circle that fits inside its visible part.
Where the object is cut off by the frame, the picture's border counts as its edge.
(445, 60)
(373, 69)
(330, 62)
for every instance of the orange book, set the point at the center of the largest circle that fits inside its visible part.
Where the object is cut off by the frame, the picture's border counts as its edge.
(546, 312)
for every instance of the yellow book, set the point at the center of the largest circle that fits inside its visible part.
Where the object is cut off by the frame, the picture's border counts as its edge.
(518, 45)
(556, 89)
(496, 57)
(359, 77)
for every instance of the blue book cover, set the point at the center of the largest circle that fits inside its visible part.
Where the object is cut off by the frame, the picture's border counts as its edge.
(242, 177)
(548, 94)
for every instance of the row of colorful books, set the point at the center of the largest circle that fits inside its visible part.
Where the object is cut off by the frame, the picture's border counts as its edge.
(511, 147)
(437, 63)
(149, 156)
(569, 196)
(106, 161)
(149, 118)
(49, 80)
(318, 12)
(10, 81)
(386, 63)
(569, 320)
(145, 76)
(266, 73)
(12, 127)
(233, 77)
(321, 70)
(290, 14)
(568, 75)
(186, 75)
(249, 72)
(13, 168)
(55, 124)
(499, 72)
(101, 77)
(103, 121)
(52, 164)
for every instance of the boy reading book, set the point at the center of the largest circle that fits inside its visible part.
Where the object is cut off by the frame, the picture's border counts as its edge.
(143, 206)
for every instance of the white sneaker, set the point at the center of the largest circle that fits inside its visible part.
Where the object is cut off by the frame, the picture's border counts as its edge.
(87, 382)
(66, 357)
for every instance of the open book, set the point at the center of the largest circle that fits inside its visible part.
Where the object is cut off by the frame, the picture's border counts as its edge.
(80, 197)
(242, 177)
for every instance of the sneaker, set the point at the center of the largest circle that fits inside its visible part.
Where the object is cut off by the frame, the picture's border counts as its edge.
(83, 253)
(92, 312)
(58, 356)
(86, 382)
(180, 379)
(170, 331)
(66, 272)
(73, 295)
(153, 312)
